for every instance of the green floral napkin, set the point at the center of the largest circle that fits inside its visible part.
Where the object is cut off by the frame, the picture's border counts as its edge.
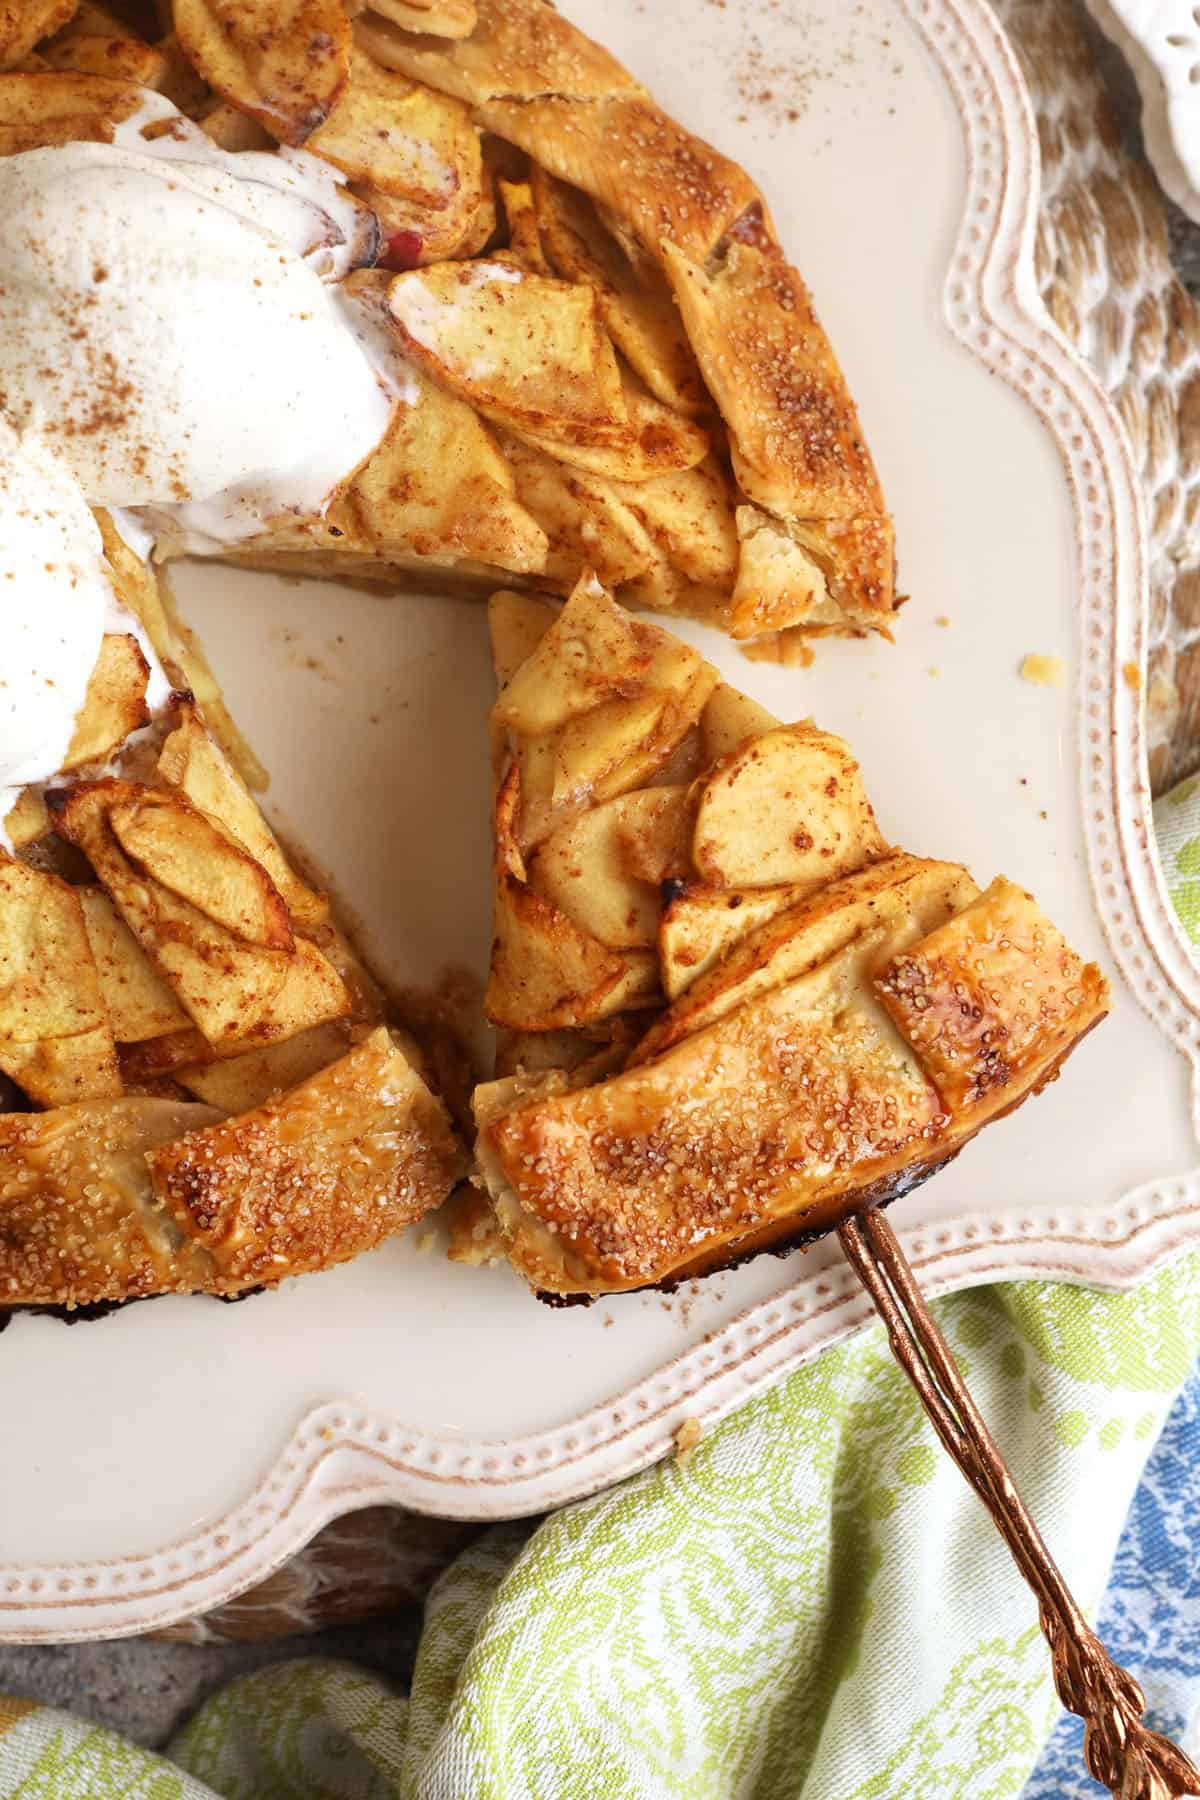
(1177, 830)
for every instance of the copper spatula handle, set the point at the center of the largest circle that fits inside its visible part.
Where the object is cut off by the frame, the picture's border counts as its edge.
(1120, 1749)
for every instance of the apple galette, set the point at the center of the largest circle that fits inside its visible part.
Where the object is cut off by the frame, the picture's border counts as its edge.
(601, 355)
(730, 1011)
(433, 291)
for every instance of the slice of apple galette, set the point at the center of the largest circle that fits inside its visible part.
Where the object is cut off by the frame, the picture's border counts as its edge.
(199, 1085)
(730, 1011)
(598, 354)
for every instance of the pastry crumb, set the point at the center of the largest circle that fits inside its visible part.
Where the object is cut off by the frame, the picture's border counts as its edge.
(426, 1241)
(1043, 671)
(1133, 676)
(933, 669)
(686, 1439)
(942, 619)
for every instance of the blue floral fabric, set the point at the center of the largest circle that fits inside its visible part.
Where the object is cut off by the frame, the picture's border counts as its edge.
(1150, 1618)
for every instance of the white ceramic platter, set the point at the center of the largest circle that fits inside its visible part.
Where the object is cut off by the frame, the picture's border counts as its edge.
(156, 1462)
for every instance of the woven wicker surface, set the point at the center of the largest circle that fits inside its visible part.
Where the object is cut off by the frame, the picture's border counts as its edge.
(1106, 274)
(357, 1568)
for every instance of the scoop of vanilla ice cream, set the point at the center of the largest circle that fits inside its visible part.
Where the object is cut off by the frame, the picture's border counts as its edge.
(55, 601)
(165, 327)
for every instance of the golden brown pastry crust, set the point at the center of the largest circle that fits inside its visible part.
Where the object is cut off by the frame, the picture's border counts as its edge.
(110, 1200)
(790, 1113)
(78, 1220)
(328, 1169)
(781, 1106)
(990, 997)
(632, 158)
(518, 50)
